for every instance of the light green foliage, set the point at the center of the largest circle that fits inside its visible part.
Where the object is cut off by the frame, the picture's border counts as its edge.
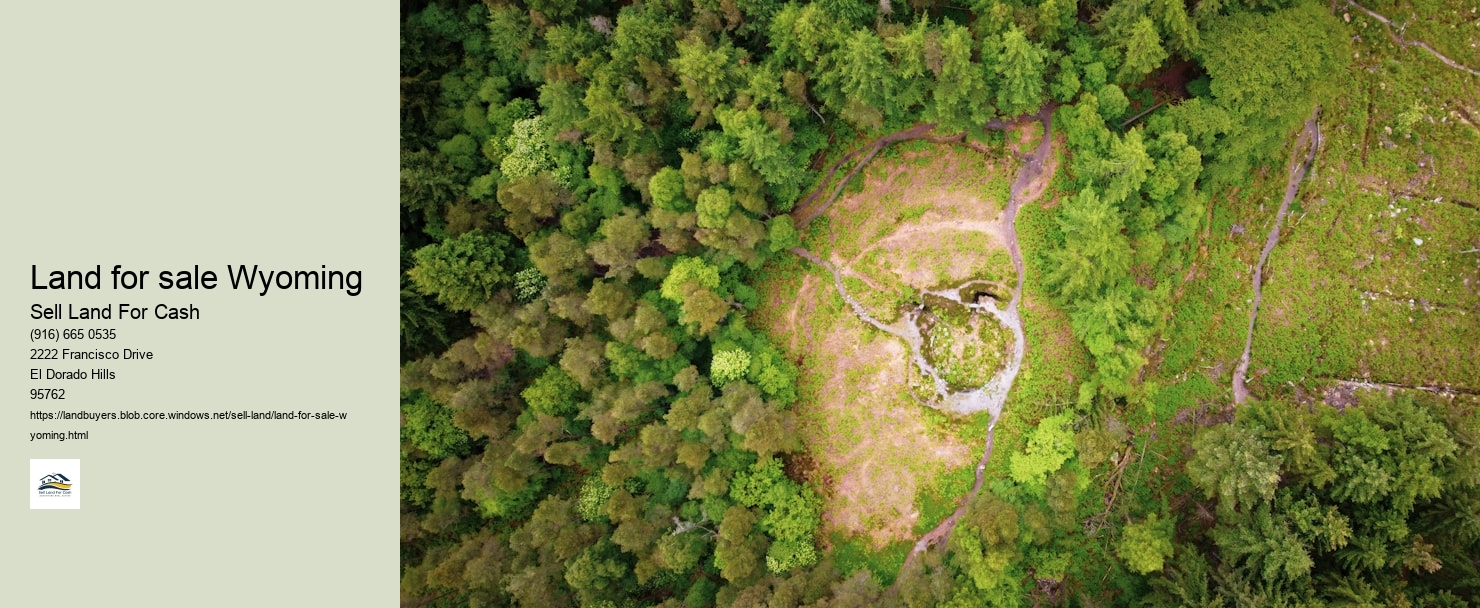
(428, 427)
(1115, 326)
(1125, 167)
(528, 284)
(764, 147)
(985, 547)
(680, 552)
(685, 271)
(1021, 64)
(1112, 101)
(591, 503)
(1050, 445)
(714, 208)
(528, 149)
(1410, 117)
(1146, 545)
(907, 55)
(1268, 71)
(792, 513)
(776, 376)
(708, 74)
(598, 574)
(864, 79)
(554, 393)
(958, 101)
(1054, 16)
(691, 283)
(729, 365)
(462, 272)
(1268, 65)
(1143, 51)
(987, 567)
(1096, 253)
(667, 189)
(782, 233)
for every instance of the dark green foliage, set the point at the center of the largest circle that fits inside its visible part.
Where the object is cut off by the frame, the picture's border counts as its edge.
(1268, 71)
(1333, 505)
(590, 418)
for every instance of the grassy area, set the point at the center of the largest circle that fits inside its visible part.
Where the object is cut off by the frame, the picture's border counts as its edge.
(1371, 279)
(920, 216)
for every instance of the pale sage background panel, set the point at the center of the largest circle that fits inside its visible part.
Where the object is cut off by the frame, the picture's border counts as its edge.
(161, 135)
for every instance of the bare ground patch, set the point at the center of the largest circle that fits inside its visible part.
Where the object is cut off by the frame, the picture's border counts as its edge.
(921, 218)
(871, 438)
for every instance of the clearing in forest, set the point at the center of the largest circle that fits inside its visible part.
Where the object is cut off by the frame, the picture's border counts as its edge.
(1375, 280)
(920, 217)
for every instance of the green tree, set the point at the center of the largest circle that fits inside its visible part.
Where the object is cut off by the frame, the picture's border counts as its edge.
(621, 238)
(462, 272)
(1267, 73)
(1146, 545)
(1050, 445)
(528, 149)
(862, 76)
(959, 98)
(1096, 253)
(1143, 51)
(709, 74)
(738, 552)
(689, 271)
(729, 365)
(1235, 465)
(428, 427)
(714, 207)
(1021, 64)
(554, 393)
(667, 189)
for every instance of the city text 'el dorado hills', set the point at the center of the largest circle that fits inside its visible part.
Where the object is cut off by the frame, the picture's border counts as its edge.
(253, 278)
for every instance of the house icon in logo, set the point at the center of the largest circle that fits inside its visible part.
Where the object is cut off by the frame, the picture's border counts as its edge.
(55, 481)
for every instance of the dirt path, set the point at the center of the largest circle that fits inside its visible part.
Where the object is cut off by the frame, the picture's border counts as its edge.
(811, 207)
(904, 328)
(1310, 139)
(1028, 186)
(1030, 183)
(1397, 37)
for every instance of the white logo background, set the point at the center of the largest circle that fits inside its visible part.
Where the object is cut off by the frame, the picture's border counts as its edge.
(41, 467)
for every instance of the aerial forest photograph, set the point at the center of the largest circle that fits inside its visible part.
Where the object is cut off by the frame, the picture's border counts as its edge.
(909, 303)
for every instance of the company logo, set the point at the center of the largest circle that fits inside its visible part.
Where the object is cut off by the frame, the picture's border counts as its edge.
(55, 481)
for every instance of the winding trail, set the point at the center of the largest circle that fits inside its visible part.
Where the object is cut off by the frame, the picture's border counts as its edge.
(904, 328)
(991, 397)
(1401, 41)
(1310, 138)
(1019, 193)
(811, 207)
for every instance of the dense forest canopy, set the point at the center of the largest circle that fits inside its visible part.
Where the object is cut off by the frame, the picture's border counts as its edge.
(590, 189)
